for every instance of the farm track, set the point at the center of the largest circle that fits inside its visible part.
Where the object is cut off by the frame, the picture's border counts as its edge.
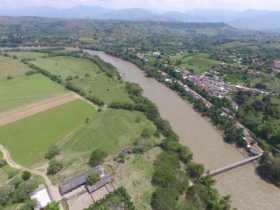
(53, 190)
(37, 107)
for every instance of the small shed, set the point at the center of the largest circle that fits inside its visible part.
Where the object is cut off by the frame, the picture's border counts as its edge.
(41, 196)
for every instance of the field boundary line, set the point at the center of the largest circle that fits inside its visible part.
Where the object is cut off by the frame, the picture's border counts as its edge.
(37, 107)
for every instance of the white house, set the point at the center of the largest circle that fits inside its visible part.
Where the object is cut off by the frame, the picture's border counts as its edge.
(41, 196)
(156, 54)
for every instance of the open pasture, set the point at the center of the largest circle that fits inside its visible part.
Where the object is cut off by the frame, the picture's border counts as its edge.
(198, 62)
(10, 67)
(109, 130)
(28, 139)
(26, 89)
(26, 54)
(85, 75)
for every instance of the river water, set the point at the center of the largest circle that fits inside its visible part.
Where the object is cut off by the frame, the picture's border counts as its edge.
(247, 190)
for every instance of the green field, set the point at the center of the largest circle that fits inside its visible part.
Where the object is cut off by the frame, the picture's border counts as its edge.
(65, 66)
(26, 54)
(10, 67)
(198, 62)
(6, 172)
(139, 169)
(29, 139)
(87, 76)
(26, 89)
(109, 130)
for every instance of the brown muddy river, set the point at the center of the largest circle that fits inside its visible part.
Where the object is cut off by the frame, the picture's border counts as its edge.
(247, 190)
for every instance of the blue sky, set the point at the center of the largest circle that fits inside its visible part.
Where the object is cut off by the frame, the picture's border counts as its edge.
(180, 5)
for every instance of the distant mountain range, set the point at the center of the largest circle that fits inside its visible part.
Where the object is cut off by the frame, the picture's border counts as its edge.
(250, 19)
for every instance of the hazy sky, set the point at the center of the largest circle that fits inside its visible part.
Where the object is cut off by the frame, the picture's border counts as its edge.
(150, 4)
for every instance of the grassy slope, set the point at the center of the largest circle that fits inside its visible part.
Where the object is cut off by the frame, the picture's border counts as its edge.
(26, 89)
(98, 84)
(29, 139)
(139, 169)
(109, 130)
(198, 62)
(26, 54)
(6, 172)
(11, 67)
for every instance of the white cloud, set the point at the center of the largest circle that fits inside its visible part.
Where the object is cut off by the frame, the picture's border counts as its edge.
(153, 4)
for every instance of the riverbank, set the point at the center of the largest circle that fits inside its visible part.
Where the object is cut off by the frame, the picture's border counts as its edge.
(206, 142)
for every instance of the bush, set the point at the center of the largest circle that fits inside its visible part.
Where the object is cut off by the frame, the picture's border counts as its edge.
(52, 206)
(119, 199)
(97, 157)
(195, 170)
(28, 73)
(3, 163)
(52, 152)
(164, 199)
(29, 205)
(54, 167)
(93, 178)
(269, 168)
(26, 175)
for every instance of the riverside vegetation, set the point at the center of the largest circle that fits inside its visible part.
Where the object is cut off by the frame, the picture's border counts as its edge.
(173, 168)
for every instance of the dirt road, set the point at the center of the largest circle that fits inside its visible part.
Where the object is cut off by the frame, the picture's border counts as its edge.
(34, 108)
(53, 190)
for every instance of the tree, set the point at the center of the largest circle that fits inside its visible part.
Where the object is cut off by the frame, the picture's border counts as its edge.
(26, 175)
(96, 157)
(269, 168)
(93, 178)
(3, 163)
(52, 152)
(233, 135)
(54, 167)
(52, 206)
(195, 170)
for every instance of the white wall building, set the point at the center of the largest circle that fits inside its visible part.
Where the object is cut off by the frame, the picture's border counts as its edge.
(41, 196)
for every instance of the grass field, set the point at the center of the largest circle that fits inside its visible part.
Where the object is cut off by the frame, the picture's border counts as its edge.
(87, 76)
(11, 67)
(198, 62)
(67, 66)
(139, 169)
(6, 172)
(27, 54)
(109, 130)
(29, 139)
(26, 89)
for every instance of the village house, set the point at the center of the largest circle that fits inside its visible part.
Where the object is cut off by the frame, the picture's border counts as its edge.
(81, 180)
(276, 65)
(156, 54)
(42, 197)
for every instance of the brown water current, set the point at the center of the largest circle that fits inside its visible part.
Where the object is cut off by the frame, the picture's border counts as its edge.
(247, 190)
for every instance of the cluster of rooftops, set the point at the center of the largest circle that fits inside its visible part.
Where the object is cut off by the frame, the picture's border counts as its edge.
(42, 197)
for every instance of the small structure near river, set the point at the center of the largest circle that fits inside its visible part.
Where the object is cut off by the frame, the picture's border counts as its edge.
(41, 196)
(79, 194)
